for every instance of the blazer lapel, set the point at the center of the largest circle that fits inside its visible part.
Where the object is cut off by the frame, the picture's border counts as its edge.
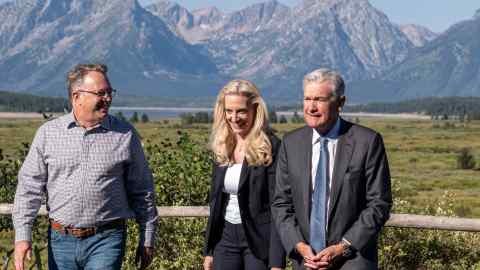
(305, 166)
(244, 174)
(342, 160)
(219, 177)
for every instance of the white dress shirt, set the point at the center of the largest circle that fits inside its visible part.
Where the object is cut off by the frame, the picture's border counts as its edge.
(231, 182)
(332, 137)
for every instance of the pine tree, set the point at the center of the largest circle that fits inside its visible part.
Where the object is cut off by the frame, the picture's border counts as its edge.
(145, 118)
(134, 118)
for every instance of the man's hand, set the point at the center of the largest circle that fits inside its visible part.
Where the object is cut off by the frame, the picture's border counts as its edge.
(328, 255)
(22, 249)
(308, 256)
(144, 255)
(208, 263)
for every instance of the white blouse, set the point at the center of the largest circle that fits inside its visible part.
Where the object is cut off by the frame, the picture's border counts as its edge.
(230, 186)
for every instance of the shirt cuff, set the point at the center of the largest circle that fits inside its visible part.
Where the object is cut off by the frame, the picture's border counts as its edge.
(23, 234)
(147, 237)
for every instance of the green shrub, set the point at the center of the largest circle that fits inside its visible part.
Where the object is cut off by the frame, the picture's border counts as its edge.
(182, 172)
(9, 167)
(427, 249)
(465, 159)
(182, 168)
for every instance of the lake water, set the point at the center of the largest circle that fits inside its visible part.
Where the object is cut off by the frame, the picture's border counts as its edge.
(157, 113)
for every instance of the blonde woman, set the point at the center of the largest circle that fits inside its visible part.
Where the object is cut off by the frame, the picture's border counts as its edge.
(240, 233)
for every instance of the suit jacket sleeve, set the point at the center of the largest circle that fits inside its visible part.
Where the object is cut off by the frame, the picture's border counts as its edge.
(378, 196)
(277, 252)
(206, 250)
(282, 206)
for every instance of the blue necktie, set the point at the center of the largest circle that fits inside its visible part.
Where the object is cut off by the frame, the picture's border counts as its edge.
(318, 214)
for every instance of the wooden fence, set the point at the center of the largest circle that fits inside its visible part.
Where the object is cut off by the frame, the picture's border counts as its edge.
(396, 220)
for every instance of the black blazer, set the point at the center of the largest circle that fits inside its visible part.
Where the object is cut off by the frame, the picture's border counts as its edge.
(360, 199)
(255, 193)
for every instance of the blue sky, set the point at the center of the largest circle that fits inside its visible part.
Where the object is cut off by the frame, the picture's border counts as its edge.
(437, 15)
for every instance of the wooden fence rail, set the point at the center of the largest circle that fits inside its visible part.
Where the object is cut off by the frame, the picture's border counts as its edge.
(396, 220)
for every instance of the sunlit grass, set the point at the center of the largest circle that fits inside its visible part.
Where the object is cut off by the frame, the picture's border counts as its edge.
(422, 154)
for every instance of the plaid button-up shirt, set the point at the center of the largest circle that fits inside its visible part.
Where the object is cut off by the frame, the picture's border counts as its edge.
(89, 177)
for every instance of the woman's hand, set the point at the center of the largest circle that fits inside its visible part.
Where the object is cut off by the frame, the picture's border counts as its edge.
(276, 268)
(208, 263)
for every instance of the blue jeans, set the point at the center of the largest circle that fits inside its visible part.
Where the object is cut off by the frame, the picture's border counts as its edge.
(104, 250)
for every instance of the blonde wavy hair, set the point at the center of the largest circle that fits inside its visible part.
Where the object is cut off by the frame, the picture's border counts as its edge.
(258, 149)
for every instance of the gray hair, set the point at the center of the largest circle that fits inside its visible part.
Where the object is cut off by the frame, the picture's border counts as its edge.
(323, 74)
(78, 73)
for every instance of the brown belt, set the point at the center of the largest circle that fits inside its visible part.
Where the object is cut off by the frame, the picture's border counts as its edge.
(86, 232)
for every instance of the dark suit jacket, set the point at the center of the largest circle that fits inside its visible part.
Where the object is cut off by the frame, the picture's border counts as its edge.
(360, 198)
(256, 189)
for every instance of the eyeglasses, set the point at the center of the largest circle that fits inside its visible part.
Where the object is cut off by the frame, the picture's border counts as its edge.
(104, 93)
(319, 99)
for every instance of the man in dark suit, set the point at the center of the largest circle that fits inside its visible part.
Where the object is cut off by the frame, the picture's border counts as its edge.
(333, 193)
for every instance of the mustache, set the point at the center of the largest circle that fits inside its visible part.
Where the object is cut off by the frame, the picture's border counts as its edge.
(102, 104)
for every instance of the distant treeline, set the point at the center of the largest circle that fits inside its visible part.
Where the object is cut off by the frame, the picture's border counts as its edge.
(436, 107)
(16, 102)
(205, 117)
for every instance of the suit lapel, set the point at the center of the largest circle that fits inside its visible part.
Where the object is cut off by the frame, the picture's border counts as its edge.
(219, 178)
(244, 174)
(342, 160)
(305, 166)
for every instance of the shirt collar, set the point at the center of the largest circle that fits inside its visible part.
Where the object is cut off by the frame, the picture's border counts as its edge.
(106, 124)
(71, 122)
(332, 134)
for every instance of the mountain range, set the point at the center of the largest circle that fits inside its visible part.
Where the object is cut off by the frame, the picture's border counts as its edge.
(40, 40)
(449, 65)
(276, 46)
(165, 50)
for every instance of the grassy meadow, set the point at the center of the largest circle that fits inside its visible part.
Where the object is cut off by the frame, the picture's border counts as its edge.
(422, 153)
(422, 156)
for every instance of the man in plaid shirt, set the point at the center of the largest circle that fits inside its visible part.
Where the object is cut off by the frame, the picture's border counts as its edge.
(93, 172)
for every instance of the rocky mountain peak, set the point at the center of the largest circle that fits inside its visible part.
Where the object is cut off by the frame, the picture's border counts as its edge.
(268, 5)
(417, 34)
(256, 17)
(206, 23)
(265, 9)
(47, 11)
(208, 15)
(207, 11)
(173, 14)
(165, 7)
(41, 10)
(165, 4)
(322, 4)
